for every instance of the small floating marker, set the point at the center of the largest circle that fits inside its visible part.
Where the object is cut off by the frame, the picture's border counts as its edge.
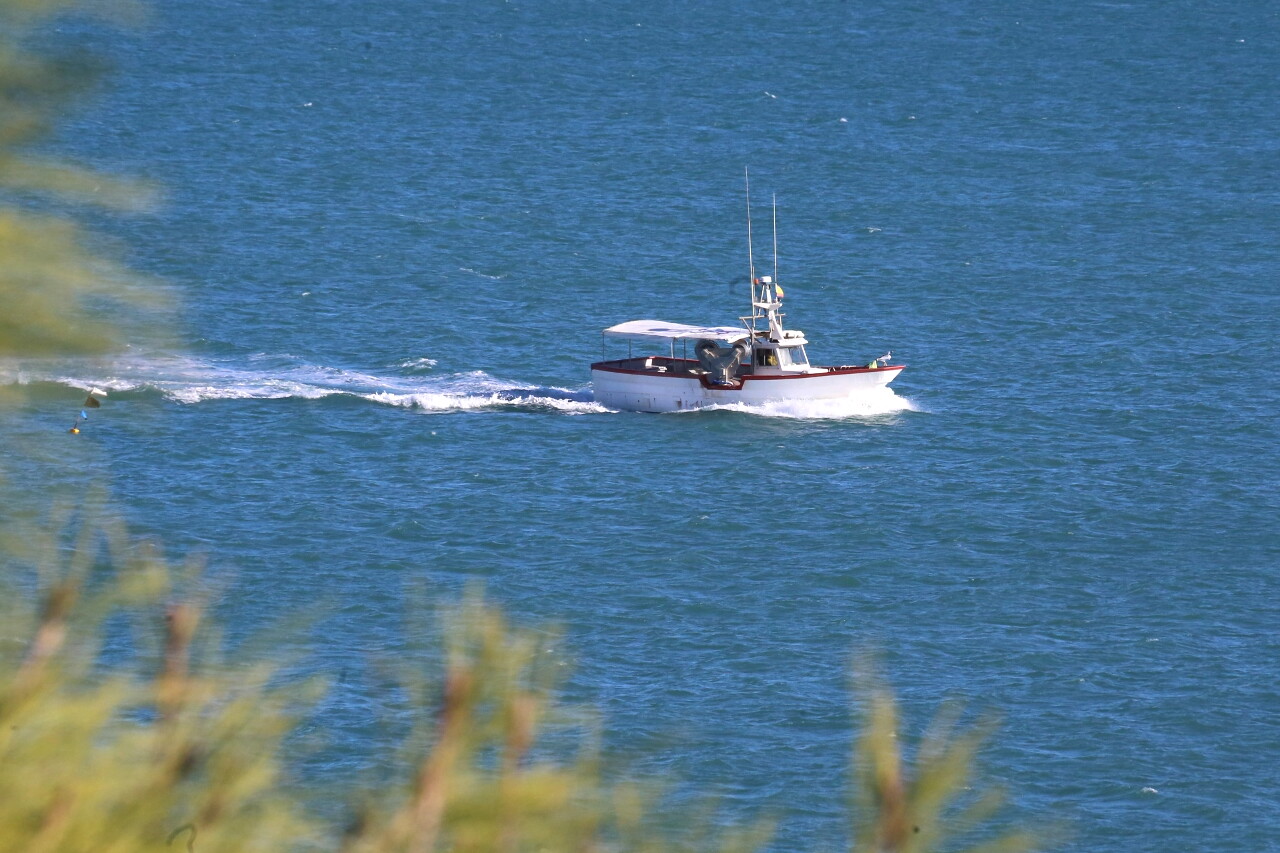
(90, 402)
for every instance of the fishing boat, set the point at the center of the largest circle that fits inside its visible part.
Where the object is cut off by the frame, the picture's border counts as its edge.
(759, 362)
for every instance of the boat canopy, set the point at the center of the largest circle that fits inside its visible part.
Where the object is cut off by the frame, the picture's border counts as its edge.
(660, 330)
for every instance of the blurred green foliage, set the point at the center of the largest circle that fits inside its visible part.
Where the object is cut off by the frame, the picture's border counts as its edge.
(935, 804)
(56, 292)
(168, 746)
(96, 757)
(171, 740)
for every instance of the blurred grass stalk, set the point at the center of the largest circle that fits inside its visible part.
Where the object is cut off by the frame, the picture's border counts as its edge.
(934, 806)
(162, 738)
(127, 751)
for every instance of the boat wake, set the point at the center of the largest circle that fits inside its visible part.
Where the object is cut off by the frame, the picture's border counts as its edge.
(869, 404)
(263, 377)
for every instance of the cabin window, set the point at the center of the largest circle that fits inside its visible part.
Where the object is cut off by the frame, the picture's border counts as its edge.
(793, 356)
(766, 358)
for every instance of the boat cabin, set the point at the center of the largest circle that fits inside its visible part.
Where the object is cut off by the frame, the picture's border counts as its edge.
(780, 356)
(697, 350)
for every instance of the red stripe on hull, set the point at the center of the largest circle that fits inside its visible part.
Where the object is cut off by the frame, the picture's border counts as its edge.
(667, 374)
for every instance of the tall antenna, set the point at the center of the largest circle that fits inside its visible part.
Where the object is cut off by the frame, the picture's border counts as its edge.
(775, 243)
(751, 259)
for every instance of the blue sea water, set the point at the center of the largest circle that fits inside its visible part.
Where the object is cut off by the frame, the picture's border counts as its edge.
(393, 232)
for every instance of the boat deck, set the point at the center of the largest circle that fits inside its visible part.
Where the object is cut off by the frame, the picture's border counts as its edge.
(658, 364)
(662, 365)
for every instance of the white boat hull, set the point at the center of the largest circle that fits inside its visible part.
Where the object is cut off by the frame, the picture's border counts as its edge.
(676, 389)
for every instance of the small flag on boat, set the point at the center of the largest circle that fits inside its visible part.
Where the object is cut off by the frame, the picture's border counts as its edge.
(778, 288)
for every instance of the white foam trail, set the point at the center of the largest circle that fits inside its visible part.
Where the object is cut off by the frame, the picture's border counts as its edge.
(416, 364)
(869, 404)
(191, 381)
(266, 390)
(481, 274)
(453, 402)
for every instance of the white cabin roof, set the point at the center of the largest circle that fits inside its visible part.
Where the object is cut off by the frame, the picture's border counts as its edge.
(662, 330)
